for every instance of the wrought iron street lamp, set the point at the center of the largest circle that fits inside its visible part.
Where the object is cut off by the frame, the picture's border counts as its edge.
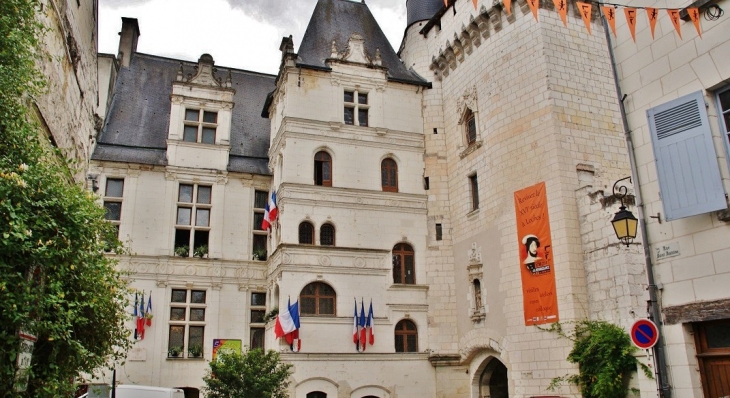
(624, 223)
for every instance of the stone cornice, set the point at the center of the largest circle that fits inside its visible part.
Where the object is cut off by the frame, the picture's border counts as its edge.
(290, 193)
(366, 356)
(376, 137)
(328, 259)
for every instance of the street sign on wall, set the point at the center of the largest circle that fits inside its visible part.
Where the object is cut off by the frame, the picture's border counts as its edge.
(644, 333)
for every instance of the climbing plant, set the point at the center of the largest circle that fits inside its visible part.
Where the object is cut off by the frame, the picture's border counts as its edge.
(604, 355)
(56, 282)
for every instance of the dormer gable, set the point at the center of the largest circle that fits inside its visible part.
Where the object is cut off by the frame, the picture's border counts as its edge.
(355, 52)
(200, 116)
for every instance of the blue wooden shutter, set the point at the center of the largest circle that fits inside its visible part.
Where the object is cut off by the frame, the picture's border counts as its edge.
(689, 176)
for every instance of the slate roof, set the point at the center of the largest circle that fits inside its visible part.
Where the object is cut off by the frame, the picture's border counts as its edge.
(138, 120)
(338, 20)
(422, 10)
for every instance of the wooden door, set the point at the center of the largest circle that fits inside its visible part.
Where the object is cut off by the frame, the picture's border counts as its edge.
(713, 354)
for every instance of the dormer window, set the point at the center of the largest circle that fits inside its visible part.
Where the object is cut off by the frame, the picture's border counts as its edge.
(200, 126)
(356, 108)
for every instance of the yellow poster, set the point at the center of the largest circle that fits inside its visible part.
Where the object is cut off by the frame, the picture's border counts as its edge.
(536, 259)
(226, 344)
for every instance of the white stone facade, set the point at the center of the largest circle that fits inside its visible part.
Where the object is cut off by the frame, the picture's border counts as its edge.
(545, 109)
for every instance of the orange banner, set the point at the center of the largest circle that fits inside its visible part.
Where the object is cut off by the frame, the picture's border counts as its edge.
(562, 7)
(610, 13)
(508, 6)
(653, 15)
(534, 5)
(540, 299)
(585, 13)
(631, 21)
(674, 16)
(694, 15)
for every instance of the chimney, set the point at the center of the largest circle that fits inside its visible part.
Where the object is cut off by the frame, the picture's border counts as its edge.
(128, 40)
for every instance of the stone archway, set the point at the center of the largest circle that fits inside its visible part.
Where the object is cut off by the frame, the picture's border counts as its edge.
(493, 381)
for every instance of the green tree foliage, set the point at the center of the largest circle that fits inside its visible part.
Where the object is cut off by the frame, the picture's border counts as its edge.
(604, 354)
(255, 374)
(55, 281)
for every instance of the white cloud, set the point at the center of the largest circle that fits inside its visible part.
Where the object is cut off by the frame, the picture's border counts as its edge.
(243, 34)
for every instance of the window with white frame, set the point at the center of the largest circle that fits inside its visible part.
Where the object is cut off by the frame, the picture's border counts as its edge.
(187, 323)
(259, 234)
(356, 108)
(113, 200)
(723, 102)
(200, 126)
(257, 323)
(192, 222)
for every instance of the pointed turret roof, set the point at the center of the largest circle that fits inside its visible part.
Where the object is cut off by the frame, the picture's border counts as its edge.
(337, 20)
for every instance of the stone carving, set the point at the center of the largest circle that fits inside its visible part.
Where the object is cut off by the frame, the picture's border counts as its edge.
(242, 273)
(467, 101)
(356, 50)
(286, 258)
(325, 261)
(165, 269)
(205, 72)
(360, 262)
(218, 272)
(475, 254)
(190, 270)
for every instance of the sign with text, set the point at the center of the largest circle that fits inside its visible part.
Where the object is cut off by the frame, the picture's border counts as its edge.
(226, 344)
(536, 261)
(25, 356)
(666, 250)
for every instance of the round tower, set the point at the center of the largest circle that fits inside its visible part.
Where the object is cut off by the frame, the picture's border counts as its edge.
(413, 50)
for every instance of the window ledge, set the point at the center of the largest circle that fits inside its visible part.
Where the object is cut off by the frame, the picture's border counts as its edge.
(405, 286)
(478, 315)
(472, 214)
(470, 149)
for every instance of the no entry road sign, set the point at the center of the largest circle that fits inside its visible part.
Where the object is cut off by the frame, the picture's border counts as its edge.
(644, 333)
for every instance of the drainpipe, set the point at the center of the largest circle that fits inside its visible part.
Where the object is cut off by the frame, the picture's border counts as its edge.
(665, 390)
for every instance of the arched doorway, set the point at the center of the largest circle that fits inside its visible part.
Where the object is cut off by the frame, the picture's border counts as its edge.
(493, 380)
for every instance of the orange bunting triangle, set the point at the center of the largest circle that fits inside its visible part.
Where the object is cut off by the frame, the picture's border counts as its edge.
(631, 21)
(562, 7)
(534, 5)
(653, 15)
(446, 3)
(609, 12)
(585, 13)
(674, 16)
(507, 6)
(475, 3)
(694, 15)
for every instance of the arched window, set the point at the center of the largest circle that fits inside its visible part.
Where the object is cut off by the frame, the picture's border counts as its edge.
(317, 298)
(477, 294)
(470, 127)
(316, 394)
(323, 169)
(389, 175)
(406, 336)
(404, 267)
(327, 235)
(306, 233)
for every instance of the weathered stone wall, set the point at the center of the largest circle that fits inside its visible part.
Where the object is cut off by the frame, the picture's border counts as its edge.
(67, 109)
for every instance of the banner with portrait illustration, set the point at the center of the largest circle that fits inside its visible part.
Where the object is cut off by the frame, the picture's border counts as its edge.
(536, 259)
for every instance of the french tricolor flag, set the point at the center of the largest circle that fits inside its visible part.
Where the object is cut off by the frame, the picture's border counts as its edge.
(273, 211)
(287, 326)
(355, 331)
(370, 324)
(265, 223)
(363, 331)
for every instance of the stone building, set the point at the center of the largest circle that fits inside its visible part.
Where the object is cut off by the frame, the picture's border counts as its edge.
(66, 111)
(395, 176)
(678, 112)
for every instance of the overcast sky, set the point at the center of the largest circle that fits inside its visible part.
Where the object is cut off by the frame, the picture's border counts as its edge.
(243, 34)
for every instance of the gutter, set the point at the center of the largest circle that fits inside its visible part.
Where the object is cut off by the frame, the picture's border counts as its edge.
(665, 390)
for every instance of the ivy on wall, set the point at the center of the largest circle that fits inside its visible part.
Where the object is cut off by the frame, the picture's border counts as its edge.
(605, 358)
(55, 280)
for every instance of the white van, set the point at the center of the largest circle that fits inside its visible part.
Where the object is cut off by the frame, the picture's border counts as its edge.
(134, 391)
